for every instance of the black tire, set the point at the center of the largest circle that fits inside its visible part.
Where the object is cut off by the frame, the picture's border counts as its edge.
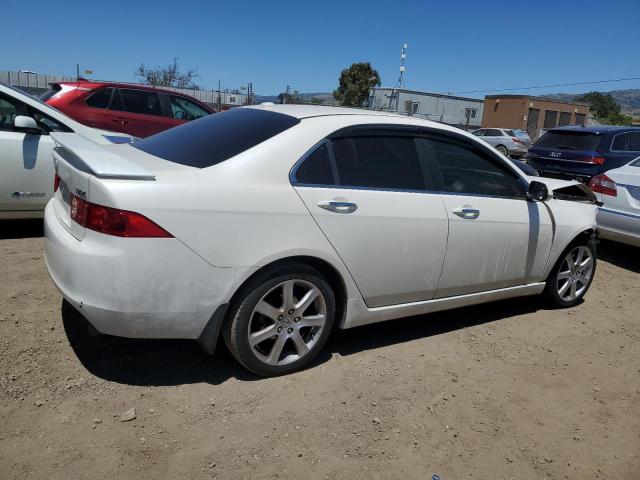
(236, 329)
(551, 291)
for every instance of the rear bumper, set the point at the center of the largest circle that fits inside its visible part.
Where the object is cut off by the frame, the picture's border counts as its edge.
(138, 288)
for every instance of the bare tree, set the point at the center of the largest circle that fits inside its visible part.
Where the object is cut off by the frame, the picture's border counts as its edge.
(169, 76)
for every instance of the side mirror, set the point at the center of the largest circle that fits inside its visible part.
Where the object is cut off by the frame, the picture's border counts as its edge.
(26, 124)
(538, 191)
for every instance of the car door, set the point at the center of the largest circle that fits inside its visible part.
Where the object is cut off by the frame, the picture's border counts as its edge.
(492, 136)
(26, 178)
(369, 194)
(98, 114)
(137, 112)
(497, 238)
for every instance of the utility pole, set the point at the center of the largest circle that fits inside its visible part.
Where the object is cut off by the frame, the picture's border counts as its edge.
(77, 71)
(219, 99)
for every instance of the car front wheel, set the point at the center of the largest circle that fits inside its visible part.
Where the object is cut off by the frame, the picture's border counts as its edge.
(281, 320)
(572, 275)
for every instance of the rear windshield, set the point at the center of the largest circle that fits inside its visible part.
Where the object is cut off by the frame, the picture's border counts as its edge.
(217, 137)
(566, 140)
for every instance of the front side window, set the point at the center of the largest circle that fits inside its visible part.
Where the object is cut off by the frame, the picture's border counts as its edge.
(467, 170)
(140, 101)
(9, 110)
(184, 109)
(385, 162)
(479, 133)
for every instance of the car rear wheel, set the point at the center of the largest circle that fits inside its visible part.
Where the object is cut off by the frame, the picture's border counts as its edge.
(503, 150)
(572, 275)
(281, 320)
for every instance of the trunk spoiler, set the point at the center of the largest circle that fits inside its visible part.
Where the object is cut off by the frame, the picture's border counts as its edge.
(95, 159)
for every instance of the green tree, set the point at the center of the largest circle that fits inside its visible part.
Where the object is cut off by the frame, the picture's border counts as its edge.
(169, 76)
(605, 108)
(355, 83)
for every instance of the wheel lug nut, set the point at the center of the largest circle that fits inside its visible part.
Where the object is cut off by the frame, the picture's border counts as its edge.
(279, 317)
(279, 329)
(291, 312)
(297, 319)
(290, 330)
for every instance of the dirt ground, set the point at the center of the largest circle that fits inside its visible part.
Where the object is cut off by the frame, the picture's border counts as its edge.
(499, 391)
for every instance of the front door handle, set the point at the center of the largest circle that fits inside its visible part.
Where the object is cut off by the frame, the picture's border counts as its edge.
(467, 213)
(338, 207)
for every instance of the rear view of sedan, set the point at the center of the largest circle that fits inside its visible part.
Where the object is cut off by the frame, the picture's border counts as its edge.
(509, 142)
(273, 224)
(619, 191)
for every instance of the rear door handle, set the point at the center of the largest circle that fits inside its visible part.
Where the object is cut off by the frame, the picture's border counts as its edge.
(338, 207)
(467, 213)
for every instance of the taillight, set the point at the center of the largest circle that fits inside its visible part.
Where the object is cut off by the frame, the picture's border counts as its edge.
(113, 221)
(517, 140)
(56, 182)
(604, 185)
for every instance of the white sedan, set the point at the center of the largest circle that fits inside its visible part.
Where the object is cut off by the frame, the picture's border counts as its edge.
(26, 166)
(273, 224)
(619, 191)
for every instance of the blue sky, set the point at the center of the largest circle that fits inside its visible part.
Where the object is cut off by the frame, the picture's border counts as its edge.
(454, 46)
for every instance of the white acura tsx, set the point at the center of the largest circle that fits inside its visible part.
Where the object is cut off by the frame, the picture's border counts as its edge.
(273, 224)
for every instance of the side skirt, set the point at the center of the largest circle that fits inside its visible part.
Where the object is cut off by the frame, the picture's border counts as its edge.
(359, 314)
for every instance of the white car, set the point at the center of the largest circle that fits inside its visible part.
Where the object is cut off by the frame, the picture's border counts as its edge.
(273, 224)
(26, 166)
(619, 191)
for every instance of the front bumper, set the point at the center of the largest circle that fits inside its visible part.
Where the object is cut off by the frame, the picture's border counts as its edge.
(133, 287)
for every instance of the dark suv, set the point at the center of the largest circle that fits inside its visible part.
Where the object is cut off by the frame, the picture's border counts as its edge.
(583, 152)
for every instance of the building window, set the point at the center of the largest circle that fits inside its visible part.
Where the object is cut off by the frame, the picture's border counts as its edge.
(232, 99)
(411, 107)
(565, 119)
(470, 113)
(580, 118)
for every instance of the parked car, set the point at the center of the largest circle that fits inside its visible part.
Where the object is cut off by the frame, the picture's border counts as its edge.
(134, 109)
(509, 142)
(619, 191)
(272, 224)
(26, 160)
(581, 153)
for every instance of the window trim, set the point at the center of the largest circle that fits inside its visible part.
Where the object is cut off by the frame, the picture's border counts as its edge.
(613, 139)
(426, 165)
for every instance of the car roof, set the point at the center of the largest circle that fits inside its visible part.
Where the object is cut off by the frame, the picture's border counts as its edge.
(594, 128)
(95, 84)
(307, 111)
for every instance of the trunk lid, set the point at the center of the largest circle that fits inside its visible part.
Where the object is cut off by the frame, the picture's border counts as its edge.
(77, 160)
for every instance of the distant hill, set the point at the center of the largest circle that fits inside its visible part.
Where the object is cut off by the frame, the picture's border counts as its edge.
(629, 100)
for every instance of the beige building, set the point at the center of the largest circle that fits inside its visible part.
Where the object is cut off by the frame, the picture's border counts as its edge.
(531, 113)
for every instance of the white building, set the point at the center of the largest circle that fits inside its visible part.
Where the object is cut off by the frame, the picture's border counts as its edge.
(459, 111)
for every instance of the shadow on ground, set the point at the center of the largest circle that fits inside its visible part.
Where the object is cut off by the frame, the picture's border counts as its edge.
(177, 362)
(620, 255)
(15, 229)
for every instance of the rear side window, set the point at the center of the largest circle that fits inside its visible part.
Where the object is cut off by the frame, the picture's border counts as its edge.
(626, 142)
(316, 168)
(386, 162)
(469, 171)
(569, 140)
(101, 98)
(141, 101)
(216, 138)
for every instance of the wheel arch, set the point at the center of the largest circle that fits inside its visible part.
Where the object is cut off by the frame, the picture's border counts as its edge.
(582, 234)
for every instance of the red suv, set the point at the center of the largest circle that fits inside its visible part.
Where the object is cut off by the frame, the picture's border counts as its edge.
(134, 109)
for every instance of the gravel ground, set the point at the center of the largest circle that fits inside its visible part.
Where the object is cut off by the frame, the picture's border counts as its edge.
(504, 390)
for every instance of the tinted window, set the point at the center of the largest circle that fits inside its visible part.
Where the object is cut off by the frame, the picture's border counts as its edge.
(141, 101)
(216, 138)
(116, 101)
(100, 99)
(184, 109)
(378, 162)
(569, 140)
(493, 133)
(9, 110)
(628, 142)
(316, 168)
(479, 133)
(467, 170)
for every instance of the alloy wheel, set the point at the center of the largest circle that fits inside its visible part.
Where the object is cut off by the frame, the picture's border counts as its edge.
(575, 273)
(287, 322)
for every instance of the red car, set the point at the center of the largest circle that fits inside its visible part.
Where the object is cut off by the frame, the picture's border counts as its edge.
(133, 109)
